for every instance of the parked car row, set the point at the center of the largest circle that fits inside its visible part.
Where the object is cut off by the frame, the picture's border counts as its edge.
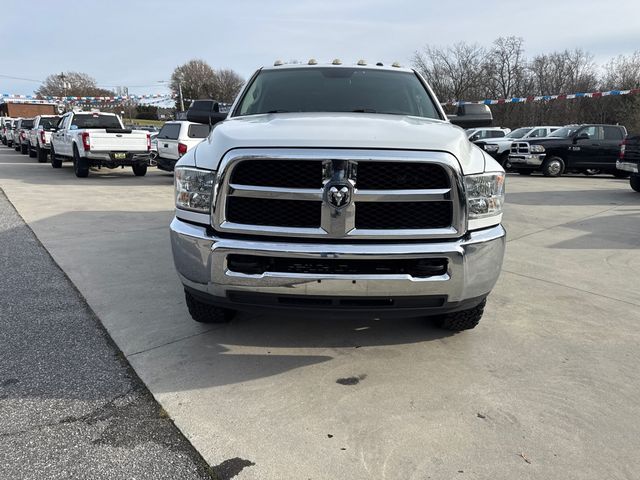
(98, 139)
(553, 150)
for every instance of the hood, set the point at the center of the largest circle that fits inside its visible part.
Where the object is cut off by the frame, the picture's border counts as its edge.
(547, 140)
(339, 130)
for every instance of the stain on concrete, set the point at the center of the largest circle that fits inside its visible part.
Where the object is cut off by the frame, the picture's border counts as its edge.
(351, 380)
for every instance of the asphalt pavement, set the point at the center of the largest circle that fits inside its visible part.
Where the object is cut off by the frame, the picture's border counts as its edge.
(71, 407)
(546, 387)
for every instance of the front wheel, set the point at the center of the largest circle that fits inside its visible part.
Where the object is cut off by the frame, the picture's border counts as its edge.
(55, 162)
(206, 313)
(24, 149)
(504, 161)
(464, 319)
(553, 167)
(634, 181)
(32, 152)
(80, 165)
(139, 170)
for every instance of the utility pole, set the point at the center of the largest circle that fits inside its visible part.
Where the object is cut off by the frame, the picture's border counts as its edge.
(181, 98)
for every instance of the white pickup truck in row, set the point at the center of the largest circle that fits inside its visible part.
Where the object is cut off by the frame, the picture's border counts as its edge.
(93, 139)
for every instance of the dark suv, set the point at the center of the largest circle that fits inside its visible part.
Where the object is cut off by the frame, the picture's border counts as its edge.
(574, 148)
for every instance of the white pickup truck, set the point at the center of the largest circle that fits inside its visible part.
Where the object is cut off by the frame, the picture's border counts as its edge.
(96, 139)
(40, 136)
(338, 190)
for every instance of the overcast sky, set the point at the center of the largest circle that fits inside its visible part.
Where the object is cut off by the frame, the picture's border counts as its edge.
(137, 43)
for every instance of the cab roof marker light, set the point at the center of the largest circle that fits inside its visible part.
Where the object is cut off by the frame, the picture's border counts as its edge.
(362, 62)
(312, 61)
(396, 64)
(277, 63)
(379, 64)
(336, 61)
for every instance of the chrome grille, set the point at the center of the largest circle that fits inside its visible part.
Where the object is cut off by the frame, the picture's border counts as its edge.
(519, 148)
(386, 194)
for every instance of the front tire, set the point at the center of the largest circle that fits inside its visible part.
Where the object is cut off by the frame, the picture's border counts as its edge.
(32, 152)
(504, 161)
(206, 313)
(55, 162)
(139, 170)
(634, 181)
(553, 167)
(464, 319)
(80, 165)
(24, 149)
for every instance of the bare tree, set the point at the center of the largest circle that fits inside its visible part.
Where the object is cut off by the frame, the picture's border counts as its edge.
(71, 84)
(227, 85)
(622, 72)
(197, 79)
(454, 72)
(505, 68)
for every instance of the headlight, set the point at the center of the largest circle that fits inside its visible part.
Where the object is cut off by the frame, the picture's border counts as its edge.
(536, 148)
(485, 198)
(194, 188)
(491, 148)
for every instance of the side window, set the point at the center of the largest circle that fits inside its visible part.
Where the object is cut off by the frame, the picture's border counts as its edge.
(198, 131)
(612, 133)
(170, 131)
(538, 132)
(496, 134)
(591, 132)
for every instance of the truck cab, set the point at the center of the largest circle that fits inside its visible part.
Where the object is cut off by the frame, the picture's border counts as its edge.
(574, 148)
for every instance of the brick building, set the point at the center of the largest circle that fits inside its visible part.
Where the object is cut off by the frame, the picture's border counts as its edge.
(16, 108)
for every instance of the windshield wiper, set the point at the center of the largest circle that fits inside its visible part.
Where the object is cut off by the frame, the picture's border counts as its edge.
(278, 111)
(364, 110)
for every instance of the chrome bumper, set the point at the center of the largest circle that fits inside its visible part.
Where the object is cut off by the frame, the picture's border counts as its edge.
(533, 159)
(474, 264)
(627, 166)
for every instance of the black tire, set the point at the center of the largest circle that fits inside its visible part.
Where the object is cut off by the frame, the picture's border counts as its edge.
(621, 174)
(462, 320)
(206, 313)
(41, 153)
(634, 182)
(24, 149)
(9, 144)
(80, 165)
(553, 167)
(16, 147)
(504, 160)
(525, 172)
(32, 152)
(55, 162)
(139, 170)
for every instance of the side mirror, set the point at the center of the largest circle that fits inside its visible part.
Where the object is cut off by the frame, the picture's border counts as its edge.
(581, 136)
(475, 138)
(472, 116)
(206, 112)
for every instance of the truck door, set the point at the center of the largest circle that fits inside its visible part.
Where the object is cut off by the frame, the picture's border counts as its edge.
(611, 142)
(586, 147)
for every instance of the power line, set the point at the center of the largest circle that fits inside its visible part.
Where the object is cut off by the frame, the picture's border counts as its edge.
(21, 78)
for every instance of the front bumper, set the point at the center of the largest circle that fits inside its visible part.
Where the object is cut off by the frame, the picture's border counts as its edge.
(529, 160)
(474, 264)
(627, 166)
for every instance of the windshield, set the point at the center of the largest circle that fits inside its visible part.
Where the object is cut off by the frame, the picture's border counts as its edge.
(95, 120)
(564, 132)
(519, 132)
(337, 89)
(49, 122)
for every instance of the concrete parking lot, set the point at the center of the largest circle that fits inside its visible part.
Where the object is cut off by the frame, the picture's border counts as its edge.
(545, 387)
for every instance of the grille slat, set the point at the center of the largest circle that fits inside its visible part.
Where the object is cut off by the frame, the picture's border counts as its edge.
(400, 176)
(279, 173)
(276, 213)
(402, 215)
